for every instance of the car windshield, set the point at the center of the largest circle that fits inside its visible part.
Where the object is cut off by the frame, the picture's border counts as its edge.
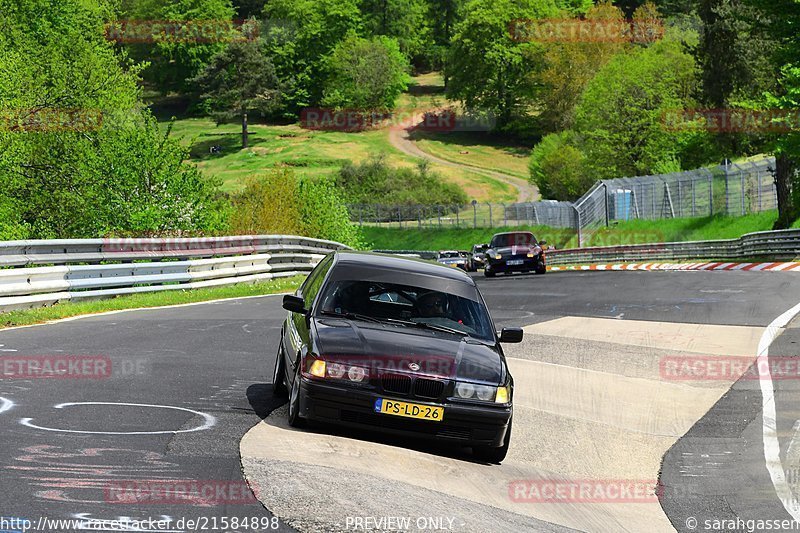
(412, 305)
(448, 255)
(512, 239)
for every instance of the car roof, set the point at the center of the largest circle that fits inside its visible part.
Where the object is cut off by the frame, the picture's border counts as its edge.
(512, 233)
(401, 264)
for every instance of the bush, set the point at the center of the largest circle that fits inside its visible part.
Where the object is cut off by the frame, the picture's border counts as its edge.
(281, 203)
(375, 182)
(558, 168)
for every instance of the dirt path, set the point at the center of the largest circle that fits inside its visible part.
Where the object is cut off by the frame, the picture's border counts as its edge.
(400, 139)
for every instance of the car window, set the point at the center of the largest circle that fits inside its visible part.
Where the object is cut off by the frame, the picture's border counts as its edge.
(382, 300)
(512, 239)
(311, 286)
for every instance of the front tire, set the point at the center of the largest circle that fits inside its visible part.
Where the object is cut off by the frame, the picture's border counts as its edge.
(541, 269)
(295, 420)
(488, 274)
(279, 374)
(494, 455)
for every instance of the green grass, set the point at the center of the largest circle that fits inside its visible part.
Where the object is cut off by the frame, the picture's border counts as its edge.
(317, 153)
(631, 232)
(155, 299)
(477, 149)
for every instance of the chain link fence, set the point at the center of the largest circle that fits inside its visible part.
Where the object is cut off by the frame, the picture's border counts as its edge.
(731, 189)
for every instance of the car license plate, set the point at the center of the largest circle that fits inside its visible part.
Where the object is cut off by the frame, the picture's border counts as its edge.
(515, 262)
(409, 410)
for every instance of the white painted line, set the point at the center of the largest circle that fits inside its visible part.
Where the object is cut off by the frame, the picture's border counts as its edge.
(104, 313)
(772, 448)
(5, 404)
(210, 421)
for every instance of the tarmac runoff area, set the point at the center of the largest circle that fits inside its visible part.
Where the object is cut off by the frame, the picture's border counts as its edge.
(594, 408)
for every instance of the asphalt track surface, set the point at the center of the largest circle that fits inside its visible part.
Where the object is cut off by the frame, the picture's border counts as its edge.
(215, 360)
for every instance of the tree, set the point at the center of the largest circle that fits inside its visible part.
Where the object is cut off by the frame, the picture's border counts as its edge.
(403, 20)
(238, 81)
(299, 47)
(81, 158)
(366, 74)
(620, 116)
(489, 70)
(173, 60)
(443, 15)
(780, 19)
(569, 66)
(558, 167)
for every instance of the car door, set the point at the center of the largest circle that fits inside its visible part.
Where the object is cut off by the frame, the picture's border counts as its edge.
(297, 338)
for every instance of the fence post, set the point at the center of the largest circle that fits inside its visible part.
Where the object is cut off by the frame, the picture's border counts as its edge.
(491, 222)
(505, 216)
(710, 194)
(578, 224)
(474, 214)
(694, 199)
(758, 176)
(439, 214)
(419, 217)
(727, 206)
(741, 181)
(400, 216)
(458, 220)
(605, 191)
(360, 215)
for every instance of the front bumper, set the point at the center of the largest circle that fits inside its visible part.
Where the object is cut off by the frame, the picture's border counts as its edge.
(528, 264)
(466, 425)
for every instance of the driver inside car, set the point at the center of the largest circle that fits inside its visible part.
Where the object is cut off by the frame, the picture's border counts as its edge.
(432, 304)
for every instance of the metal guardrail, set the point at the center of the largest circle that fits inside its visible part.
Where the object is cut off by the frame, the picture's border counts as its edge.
(781, 244)
(127, 266)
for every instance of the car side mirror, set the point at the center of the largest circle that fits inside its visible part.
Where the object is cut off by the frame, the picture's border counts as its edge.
(511, 335)
(295, 304)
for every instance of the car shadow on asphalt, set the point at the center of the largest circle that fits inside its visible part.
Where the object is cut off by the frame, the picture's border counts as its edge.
(264, 403)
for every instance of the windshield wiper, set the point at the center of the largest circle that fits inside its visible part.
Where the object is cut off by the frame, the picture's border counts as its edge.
(352, 316)
(427, 325)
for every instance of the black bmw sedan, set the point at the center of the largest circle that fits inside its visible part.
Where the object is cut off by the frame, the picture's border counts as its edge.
(399, 345)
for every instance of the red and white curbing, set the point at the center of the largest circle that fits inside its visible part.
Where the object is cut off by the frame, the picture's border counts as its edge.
(749, 267)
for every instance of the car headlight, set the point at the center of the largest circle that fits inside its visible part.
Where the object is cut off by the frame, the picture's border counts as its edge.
(486, 393)
(498, 256)
(465, 390)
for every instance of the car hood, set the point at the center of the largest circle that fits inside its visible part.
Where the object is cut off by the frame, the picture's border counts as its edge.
(401, 349)
(517, 249)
